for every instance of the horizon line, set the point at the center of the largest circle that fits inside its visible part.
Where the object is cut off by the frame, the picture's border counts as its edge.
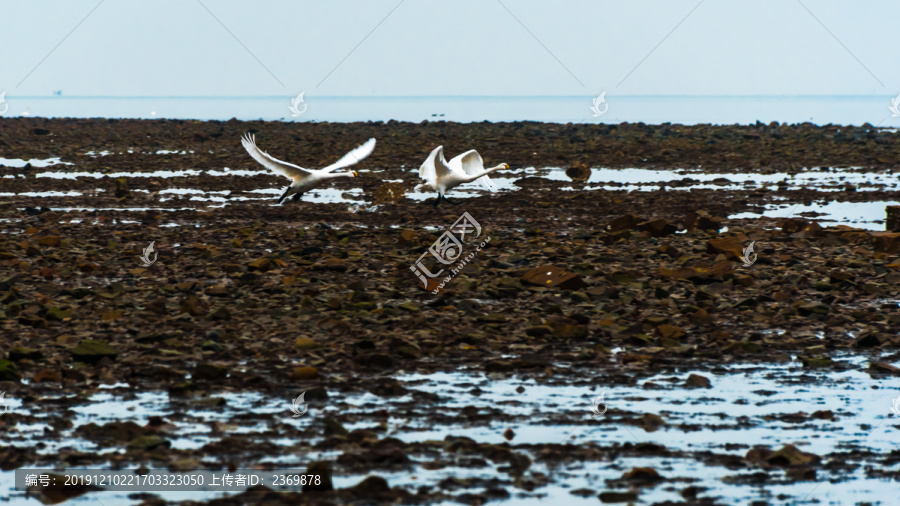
(434, 96)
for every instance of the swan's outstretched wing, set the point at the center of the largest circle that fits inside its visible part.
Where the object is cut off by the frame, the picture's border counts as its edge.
(471, 163)
(354, 156)
(434, 167)
(266, 160)
(468, 163)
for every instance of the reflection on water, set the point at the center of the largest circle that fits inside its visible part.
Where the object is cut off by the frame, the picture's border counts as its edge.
(744, 407)
(19, 163)
(156, 173)
(868, 215)
(865, 215)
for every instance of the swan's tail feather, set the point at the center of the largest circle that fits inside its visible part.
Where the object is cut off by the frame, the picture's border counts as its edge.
(487, 183)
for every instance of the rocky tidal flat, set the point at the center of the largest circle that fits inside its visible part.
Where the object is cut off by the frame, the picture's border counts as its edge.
(722, 382)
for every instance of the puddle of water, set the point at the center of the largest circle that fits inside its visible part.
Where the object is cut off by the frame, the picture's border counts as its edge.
(240, 172)
(847, 393)
(556, 410)
(156, 173)
(320, 195)
(811, 179)
(193, 432)
(97, 154)
(107, 498)
(866, 215)
(43, 194)
(173, 225)
(100, 175)
(119, 209)
(464, 191)
(35, 162)
(192, 191)
(649, 180)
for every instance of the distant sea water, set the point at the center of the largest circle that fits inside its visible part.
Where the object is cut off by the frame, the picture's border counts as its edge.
(821, 110)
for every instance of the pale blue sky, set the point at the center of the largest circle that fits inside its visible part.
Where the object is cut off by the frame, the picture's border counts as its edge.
(449, 48)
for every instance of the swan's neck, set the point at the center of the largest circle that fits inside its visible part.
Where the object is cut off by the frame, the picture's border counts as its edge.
(485, 173)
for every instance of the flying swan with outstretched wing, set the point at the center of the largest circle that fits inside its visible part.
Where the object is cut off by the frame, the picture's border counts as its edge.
(442, 176)
(306, 179)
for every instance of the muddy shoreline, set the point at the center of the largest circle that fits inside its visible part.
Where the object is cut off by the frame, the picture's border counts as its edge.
(319, 297)
(743, 148)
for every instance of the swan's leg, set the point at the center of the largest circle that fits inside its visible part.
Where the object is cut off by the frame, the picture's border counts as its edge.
(284, 195)
(438, 200)
(297, 196)
(451, 202)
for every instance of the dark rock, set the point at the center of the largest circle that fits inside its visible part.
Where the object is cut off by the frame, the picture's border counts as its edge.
(389, 193)
(697, 381)
(211, 372)
(728, 246)
(811, 309)
(645, 474)
(8, 371)
(149, 443)
(326, 484)
(334, 428)
(113, 431)
(21, 352)
(305, 373)
(869, 340)
(657, 228)
(371, 488)
(627, 222)
(219, 314)
(695, 221)
(579, 172)
(554, 277)
(887, 242)
(613, 497)
(884, 368)
(789, 456)
(814, 362)
(892, 224)
(260, 264)
(375, 361)
(91, 351)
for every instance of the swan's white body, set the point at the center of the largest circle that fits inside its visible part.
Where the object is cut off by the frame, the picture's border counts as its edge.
(305, 179)
(442, 176)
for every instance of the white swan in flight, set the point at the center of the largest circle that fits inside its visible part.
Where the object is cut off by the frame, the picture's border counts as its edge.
(441, 175)
(305, 179)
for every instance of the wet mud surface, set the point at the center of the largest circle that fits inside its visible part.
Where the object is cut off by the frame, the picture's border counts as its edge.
(717, 376)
